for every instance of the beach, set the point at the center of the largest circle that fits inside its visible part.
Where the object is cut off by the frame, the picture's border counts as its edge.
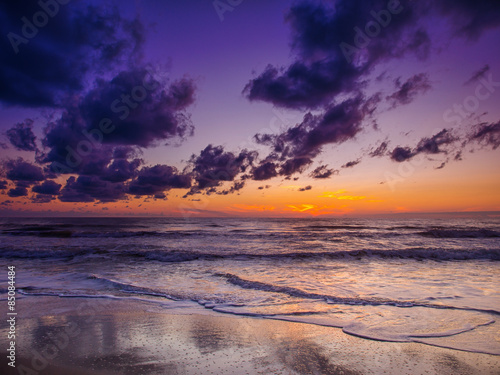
(245, 296)
(134, 337)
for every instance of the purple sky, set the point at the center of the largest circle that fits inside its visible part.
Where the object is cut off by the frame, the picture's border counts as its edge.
(269, 82)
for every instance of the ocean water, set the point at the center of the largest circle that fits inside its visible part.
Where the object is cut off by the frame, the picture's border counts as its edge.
(434, 281)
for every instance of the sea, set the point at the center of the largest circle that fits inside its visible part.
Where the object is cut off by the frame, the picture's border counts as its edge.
(434, 281)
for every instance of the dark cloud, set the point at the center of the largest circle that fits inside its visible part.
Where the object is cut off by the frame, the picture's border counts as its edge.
(323, 69)
(295, 148)
(401, 154)
(48, 187)
(294, 165)
(381, 150)
(3, 184)
(42, 198)
(91, 188)
(141, 109)
(441, 166)
(409, 90)
(470, 18)
(20, 170)
(487, 135)
(41, 68)
(88, 130)
(478, 74)
(21, 136)
(351, 164)
(323, 172)
(121, 170)
(432, 145)
(235, 187)
(215, 165)
(264, 171)
(155, 180)
(308, 187)
(18, 192)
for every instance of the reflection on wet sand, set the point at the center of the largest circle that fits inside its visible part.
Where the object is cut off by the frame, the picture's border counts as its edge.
(130, 337)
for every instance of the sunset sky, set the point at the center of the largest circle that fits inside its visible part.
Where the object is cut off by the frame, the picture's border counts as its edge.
(249, 108)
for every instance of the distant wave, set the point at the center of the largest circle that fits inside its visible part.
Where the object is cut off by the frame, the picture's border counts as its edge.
(356, 227)
(50, 232)
(460, 233)
(183, 256)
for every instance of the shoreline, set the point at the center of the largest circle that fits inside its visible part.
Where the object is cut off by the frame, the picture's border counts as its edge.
(113, 336)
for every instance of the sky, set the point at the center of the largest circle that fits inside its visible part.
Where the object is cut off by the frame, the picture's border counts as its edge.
(274, 108)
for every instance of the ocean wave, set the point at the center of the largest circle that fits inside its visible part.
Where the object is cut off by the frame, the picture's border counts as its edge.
(460, 233)
(321, 227)
(168, 256)
(78, 234)
(130, 288)
(295, 292)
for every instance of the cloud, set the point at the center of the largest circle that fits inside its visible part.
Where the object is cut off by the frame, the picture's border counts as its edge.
(142, 110)
(264, 171)
(3, 184)
(432, 145)
(323, 172)
(155, 180)
(322, 70)
(87, 130)
(470, 18)
(236, 186)
(487, 135)
(91, 188)
(478, 74)
(48, 187)
(214, 165)
(20, 170)
(18, 192)
(351, 197)
(340, 194)
(381, 150)
(21, 136)
(56, 59)
(308, 187)
(351, 164)
(407, 92)
(401, 154)
(295, 148)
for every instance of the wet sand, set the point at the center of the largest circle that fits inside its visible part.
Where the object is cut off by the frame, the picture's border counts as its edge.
(108, 336)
